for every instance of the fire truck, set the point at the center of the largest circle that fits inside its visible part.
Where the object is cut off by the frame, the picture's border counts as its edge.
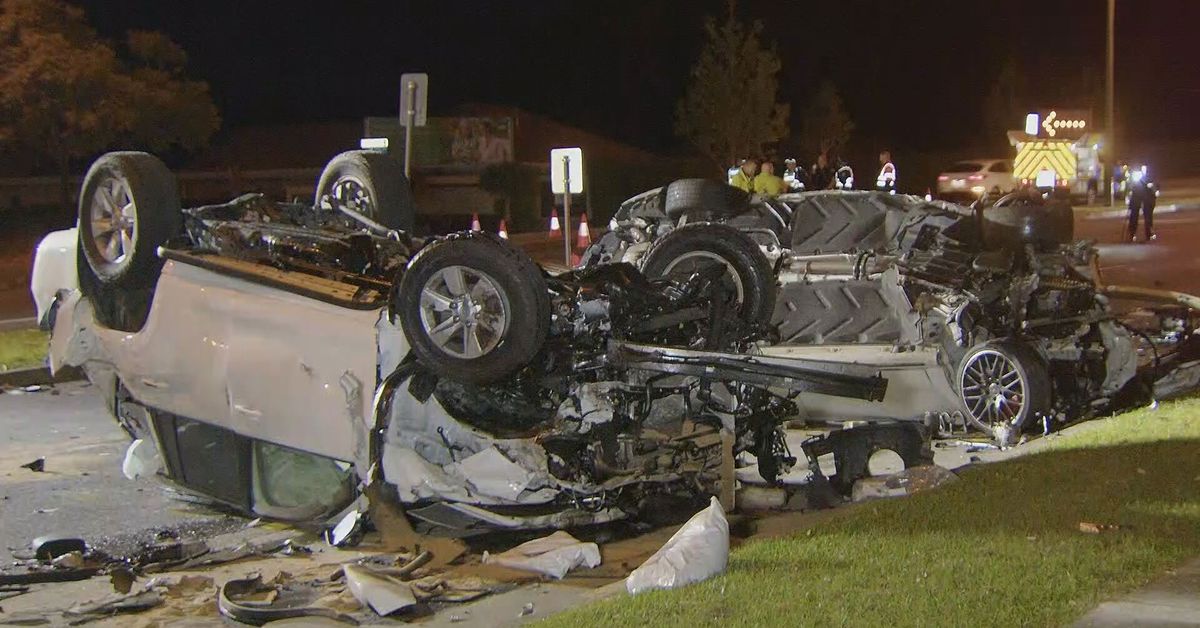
(1057, 150)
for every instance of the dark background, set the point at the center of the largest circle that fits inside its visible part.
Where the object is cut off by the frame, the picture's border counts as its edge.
(914, 74)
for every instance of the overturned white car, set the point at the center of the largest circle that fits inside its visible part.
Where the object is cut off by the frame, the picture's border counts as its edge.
(281, 357)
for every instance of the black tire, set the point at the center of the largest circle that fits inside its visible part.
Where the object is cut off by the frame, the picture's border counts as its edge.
(153, 206)
(514, 285)
(1030, 382)
(121, 290)
(692, 242)
(840, 222)
(704, 199)
(380, 178)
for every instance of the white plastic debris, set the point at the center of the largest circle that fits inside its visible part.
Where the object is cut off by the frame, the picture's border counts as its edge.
(383, 594)
(698, 551)
(552, 555)
(141, 459)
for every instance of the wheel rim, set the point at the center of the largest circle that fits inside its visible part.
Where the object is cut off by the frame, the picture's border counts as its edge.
(351, 193)
(113, 217)
(464, 312)
(994, 388)
(689, 263)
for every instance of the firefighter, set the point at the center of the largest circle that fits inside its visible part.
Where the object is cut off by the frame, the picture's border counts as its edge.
(1143, 195)
(767, 183)
(886, 181)
(743, 179)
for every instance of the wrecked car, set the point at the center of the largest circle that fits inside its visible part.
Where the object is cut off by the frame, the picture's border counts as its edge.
(991, 319)
(283, 357)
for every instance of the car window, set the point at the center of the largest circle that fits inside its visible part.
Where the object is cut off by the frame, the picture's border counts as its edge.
(1000, 166)
(965, 166)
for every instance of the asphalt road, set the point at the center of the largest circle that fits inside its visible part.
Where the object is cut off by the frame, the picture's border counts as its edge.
(83, 492)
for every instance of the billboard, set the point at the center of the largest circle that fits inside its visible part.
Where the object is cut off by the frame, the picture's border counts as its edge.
(449, 141)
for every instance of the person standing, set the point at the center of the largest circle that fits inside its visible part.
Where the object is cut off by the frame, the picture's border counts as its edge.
(886, 181)
(767, 182)
(1143, 195)
(743, 179)
(822, 173)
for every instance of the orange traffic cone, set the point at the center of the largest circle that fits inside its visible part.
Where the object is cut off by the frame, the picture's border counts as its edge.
(475, 222)
(555, 229)
(503, 232)
(584, 238)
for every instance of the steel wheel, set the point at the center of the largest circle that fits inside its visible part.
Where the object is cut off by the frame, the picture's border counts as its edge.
(464, 312)
(113, 217)
(688, 264)
(350, 192)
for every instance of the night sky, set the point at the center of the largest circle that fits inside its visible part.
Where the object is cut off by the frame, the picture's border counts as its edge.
(913, 73)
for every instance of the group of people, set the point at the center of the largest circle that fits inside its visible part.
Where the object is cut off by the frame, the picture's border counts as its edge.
(758, 176)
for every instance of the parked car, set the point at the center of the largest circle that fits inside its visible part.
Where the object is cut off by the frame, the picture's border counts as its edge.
(977, 177)
(993, 320)
(282, 357)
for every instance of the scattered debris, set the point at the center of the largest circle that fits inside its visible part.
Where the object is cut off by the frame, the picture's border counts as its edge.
(552, 555)
(754, 498)
(698, 551)
(243, 600)
(141, 460)
(384, 594)
(526, 610)
(1088, 527)
(37, 466)
(50, 547)
(906, 482)
(349, 530)
(70, 560)
(135, 602)
(122, 578)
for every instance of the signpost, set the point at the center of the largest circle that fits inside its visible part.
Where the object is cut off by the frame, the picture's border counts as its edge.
(414, 100)
(566, 178)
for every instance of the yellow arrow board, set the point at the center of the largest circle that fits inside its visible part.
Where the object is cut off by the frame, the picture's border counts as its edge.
(1038, 155)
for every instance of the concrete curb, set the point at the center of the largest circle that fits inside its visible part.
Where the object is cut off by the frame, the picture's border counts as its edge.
(38, 375)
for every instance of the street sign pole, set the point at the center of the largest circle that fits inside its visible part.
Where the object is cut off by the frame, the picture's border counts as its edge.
(408, 128)
(567, 182)
(566, 230)
(414, 104)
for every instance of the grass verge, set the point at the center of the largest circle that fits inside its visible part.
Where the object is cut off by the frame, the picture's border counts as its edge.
(22, 348)
(1001, 547)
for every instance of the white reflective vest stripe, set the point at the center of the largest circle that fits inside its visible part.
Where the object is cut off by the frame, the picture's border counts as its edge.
(887, 176)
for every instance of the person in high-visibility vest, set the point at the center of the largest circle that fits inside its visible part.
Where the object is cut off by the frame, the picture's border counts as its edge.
(886, 182)
(767, 182)
(743, 179)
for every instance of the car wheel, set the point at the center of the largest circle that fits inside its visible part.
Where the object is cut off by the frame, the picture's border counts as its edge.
(371, 183)
(1002, 385)
(473, 308)
(840, 222)
(684, 251)
(704, 199)
(128, 208)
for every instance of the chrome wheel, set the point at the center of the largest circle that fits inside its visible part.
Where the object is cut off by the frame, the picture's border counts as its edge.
(113, 217)
(351, 193)
(994, 388)
(463, 312)
(688, 264)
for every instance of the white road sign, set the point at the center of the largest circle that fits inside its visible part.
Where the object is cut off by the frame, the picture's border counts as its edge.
(566, 164)
(414, 96)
